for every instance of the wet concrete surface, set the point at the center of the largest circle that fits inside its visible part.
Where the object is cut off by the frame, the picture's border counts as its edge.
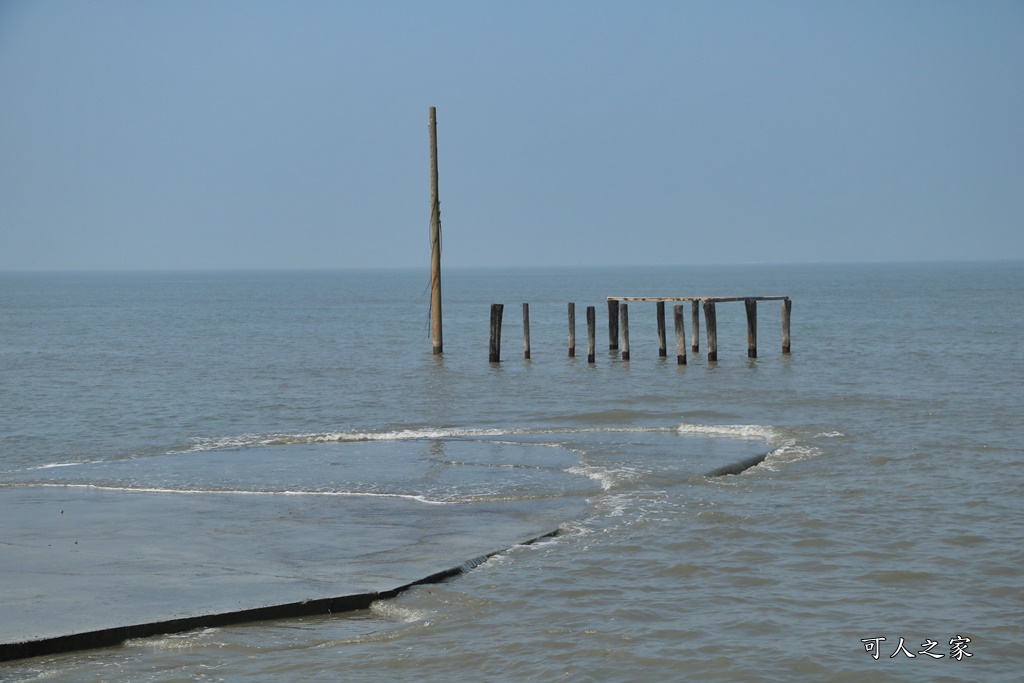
(82, 560)
(94, 553)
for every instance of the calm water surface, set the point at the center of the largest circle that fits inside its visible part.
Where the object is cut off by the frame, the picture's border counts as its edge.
(889, 506)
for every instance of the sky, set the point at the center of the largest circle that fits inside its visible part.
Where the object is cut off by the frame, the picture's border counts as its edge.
(187, 134)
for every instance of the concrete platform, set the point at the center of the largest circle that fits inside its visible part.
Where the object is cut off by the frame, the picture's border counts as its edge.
(87, 567)
(94, 553)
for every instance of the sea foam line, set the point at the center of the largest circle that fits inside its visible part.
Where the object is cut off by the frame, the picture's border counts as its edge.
(766, 433)
(784, 449)
(250, 440)
(148, 489)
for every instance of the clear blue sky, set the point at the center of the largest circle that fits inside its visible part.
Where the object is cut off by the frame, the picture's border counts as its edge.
(259, 134)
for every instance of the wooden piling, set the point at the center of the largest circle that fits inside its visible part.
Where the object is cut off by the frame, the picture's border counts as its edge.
(662, 346)
(526, 331)
(677, 314)
(572, 330)
(695, 324)
(591, 333)
(787, 308)
(613, 325)
(712, 326)
(751, 305)
(435, 241)
(495, 347)
(624, 318)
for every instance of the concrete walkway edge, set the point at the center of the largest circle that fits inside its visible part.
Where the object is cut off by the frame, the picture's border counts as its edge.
(111, 637)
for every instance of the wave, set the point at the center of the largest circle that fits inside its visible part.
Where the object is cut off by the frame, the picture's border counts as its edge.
(766, 433)
(201, 444)
(790, 444)
(607, 477)
(215, 443)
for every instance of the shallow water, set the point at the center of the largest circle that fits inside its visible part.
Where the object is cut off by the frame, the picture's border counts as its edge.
(888, 505)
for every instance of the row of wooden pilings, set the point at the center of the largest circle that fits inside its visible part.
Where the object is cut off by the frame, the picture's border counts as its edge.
(618, 326)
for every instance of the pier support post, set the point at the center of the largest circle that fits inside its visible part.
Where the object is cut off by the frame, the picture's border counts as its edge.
(613, 325)
(526, 331)
(695, 324)
(495, 346)
(677, 315)
(751, 305)
(572, 330)
(711, 323)
(591, 333)
(435, 240)
(787, 308)
(624, 317)
(662, 347)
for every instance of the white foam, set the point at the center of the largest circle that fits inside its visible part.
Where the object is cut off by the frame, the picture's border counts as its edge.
(608, 478)
(785, 447)
(246, 440)
(764, 432)
(388, 609)
(276, 439)
(787, 453)
(234, 492)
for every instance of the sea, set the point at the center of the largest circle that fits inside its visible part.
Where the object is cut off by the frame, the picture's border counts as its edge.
(880, 538)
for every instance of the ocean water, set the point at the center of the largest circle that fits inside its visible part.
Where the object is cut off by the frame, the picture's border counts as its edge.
(889, 504)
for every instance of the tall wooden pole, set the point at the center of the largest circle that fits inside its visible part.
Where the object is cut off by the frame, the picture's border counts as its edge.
(435, 240)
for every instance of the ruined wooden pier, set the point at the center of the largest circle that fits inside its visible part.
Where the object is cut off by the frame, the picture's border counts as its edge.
(618, 311)
(618, 325)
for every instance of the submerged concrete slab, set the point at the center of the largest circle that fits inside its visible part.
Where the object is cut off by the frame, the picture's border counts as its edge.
(118, 564)
(95, 553)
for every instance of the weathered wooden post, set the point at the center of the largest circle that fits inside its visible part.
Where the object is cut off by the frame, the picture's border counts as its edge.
(613, 324)
(787, 307)
(495, 347)
(572, 330)
(662, 350)
(526, 331)
(435, 240)
(695, 324)
(711, 324)
(677, 314)
(624, 316)
(591, 332)
(751, 305)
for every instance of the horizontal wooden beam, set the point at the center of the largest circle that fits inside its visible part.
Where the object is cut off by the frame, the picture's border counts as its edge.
(697, 298)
